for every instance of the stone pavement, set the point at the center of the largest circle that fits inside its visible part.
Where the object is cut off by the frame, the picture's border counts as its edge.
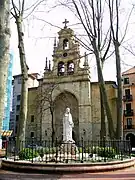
(127, 174)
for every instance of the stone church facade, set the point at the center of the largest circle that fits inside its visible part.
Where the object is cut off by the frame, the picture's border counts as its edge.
(67, 85)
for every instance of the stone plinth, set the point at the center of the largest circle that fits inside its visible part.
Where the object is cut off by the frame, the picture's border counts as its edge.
(59, 168)
(68, 148)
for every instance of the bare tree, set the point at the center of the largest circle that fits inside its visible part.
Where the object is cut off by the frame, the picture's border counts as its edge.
(115, 37)
(4, 54)
(115, 25)
(18, 14)
(45, 101)
(90, 13)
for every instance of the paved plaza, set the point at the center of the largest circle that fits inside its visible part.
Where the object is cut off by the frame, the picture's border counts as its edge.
(127, 174)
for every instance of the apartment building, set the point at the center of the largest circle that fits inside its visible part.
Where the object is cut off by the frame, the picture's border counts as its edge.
(129, 105)
(14, 115)
(6, 119)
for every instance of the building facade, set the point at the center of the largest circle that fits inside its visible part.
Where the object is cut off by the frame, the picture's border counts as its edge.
(129, 104)
(66, 84)
(6, 119)
(14, 114)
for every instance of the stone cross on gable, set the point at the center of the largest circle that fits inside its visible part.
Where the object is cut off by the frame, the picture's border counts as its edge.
(65, 22)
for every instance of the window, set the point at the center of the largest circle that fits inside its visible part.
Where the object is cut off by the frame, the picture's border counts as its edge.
(17, 117)
(126, 80)
(15, 129)
(61, 68)
(128, 107)
(19, 80)
(18, 97)
(32, 118)
(127, 92)
(129, 123)
(65, 44)
(17, 107)
(70, 67)
(32, 134)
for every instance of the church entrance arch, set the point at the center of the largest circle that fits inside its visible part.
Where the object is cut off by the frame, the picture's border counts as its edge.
(131, 137)
(62, 101)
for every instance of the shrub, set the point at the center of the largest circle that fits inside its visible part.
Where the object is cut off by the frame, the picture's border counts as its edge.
(41, 152)
(107, 152)
(93, 150)
(47, 150)
(28, 153)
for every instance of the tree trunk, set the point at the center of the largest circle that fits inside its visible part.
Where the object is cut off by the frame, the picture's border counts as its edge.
(103, 125)
(104, 93)
(115, 36)
(41, 113)
(4, 55)
(53, 132)
(119, 94)
(24, 88)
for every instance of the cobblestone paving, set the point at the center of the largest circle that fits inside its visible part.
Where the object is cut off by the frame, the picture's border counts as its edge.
(128, 174)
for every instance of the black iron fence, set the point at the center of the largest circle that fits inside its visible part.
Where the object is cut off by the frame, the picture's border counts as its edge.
(82, 151)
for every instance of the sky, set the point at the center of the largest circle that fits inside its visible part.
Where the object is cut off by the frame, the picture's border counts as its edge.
(39, 38)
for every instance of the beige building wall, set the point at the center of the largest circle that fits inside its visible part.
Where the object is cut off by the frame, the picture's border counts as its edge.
(129, 129)
(89, 110)
(96, 112)
(32, 125)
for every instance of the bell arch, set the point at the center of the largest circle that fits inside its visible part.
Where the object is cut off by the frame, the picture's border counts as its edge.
(61, 102)
(70, 67)
(61, 68)
(65, 44)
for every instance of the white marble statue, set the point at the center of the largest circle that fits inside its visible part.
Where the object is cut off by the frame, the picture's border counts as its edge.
(67, 126)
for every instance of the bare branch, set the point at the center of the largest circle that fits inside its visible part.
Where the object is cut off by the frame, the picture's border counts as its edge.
(107, 49)
(22, 9)
(125, 31)
(79, 14)
(34, 7)
(16, 10)
(46, 22)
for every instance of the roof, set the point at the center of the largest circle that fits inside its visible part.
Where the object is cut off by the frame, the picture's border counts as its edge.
(129, 71)
(32, 75)
(106, 82)
(40, 79)
(32, 88)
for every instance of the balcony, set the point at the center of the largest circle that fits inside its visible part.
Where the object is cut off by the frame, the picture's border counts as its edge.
(129, 127)
(127, 98)
(128, 113)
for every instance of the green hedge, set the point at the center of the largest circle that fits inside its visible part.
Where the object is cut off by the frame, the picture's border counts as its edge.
(28, 153)
(107, 152)
(47, 150)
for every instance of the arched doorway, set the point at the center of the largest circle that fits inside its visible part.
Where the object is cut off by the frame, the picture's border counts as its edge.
(63, 100)
(132, 139)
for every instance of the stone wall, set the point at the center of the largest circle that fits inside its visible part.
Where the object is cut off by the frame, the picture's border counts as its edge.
(95, 96)
(86, 116)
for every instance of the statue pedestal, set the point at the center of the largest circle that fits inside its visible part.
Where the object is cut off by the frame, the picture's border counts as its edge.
(68, 148)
